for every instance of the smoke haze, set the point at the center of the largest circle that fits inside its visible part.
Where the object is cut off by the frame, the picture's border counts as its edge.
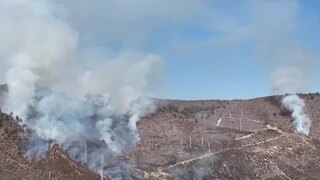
(290, 64)
(272, 26)
(87, 98)
(273, 29)
(62, 101)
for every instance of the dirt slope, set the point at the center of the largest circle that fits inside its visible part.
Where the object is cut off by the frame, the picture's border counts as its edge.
(239, 139)
(13, 165)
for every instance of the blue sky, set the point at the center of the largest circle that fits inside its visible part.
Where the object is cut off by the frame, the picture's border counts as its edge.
(211, 49)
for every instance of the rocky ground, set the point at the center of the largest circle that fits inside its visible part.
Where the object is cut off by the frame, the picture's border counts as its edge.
(238, 139)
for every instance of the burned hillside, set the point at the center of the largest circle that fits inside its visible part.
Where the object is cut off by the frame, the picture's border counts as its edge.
(240, 139)
(214, 139)
(14, 165)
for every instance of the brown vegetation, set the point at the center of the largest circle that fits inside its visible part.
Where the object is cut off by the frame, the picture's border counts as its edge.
(239, 139)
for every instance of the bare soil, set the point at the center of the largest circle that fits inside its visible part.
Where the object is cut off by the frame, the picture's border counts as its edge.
(13, 165)
(214, 139)
(239, 139)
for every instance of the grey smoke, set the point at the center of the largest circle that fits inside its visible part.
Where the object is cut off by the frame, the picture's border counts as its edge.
(288, 79)
(60, 100)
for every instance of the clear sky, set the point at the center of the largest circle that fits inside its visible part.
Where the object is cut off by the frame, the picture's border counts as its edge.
(211, 49)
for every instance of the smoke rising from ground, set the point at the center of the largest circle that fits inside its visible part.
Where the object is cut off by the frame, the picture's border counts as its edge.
(296, 105)
(60, 100)
(273, 26)
(287, 63)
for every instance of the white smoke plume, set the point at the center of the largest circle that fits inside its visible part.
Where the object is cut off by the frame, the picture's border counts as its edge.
(296, 105)
(288, 63)
(63, 102)
(273, 27)
(292, 78)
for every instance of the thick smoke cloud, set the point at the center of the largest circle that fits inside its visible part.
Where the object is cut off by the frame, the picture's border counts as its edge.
(92, 110)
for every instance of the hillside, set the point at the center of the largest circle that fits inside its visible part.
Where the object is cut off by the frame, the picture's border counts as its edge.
(214, 139)
(13, 165)
(239, 139)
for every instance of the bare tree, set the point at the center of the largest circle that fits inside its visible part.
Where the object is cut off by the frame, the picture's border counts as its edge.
(202, 142)
(164, 133)
(102, 164)
(85, 152)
